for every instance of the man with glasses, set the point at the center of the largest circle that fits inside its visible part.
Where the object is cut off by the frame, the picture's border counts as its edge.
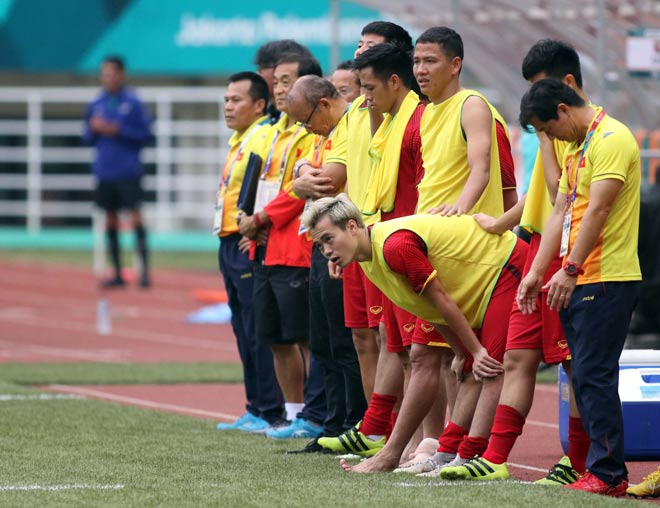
(315, 103)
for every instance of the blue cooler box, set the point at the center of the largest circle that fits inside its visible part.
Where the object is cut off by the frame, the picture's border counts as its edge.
(639, 390)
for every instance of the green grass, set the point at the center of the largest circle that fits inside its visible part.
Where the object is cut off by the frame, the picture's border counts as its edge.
(167, 460)
(206, 261)
(120, 373)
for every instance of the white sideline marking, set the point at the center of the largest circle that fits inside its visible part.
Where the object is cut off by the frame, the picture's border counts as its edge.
(542, 424)
(471, 483)
(39, 396)
(141, 402)
(529, 468)
(551, 388)
(71, 486)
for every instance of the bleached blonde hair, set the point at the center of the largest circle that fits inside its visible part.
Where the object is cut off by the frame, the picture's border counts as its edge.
(339, 210)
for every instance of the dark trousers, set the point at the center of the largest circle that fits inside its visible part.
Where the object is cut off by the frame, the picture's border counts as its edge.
(315, 409)
(264, 398)
(596, 323)
(332, 345)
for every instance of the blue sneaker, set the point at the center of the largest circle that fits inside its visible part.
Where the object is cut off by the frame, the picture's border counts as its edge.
(237, 423)
(298, 428)
(255, 424)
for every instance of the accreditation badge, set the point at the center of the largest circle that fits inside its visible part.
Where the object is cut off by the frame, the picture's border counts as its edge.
(266, 192)
(217, 216)
(566, 231)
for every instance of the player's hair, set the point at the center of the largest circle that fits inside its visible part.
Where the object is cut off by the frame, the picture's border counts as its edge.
(391, 32)
(553, 58)
(346, 65)
(115, 60)
(258, 86)
(306, 64)
(386, 60)
(448, 39)
(339, 209)
(269, 53)
(541, 101)
(314, 88)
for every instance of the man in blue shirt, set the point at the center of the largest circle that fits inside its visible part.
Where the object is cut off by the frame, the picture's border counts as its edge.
(118, 126)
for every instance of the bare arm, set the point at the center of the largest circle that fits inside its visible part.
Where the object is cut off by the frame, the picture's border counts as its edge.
(602, 195)
(551, 168)
(484, 365)
(505, 222)
(476, 122)
(548, 250)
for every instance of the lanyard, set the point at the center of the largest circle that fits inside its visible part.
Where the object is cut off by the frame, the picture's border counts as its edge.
(317, 149)
(225, 181)
(284, 154)
(587, 138)
(269, 159)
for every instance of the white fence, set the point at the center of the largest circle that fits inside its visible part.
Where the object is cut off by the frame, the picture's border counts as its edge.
(40, 128)
(190, 145)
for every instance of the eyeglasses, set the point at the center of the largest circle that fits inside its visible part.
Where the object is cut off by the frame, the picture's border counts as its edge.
(306, 122)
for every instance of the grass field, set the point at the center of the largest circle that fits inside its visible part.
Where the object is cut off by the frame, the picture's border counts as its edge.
(78, 452)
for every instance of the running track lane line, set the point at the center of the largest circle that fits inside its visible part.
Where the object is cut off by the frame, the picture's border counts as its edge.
(70, 486)
(98, 394)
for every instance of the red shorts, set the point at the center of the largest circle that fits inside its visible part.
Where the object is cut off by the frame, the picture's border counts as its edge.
(425, 333)
(493, 331)
(541, 329)
(363, 301)
(399, 326)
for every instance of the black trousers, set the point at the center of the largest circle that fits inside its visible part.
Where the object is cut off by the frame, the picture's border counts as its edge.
(596, 323)
(332, 345)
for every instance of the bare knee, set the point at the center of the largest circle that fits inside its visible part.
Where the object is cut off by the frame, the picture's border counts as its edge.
(522, 361)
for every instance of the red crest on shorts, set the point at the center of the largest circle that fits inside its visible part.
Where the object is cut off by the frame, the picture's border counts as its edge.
(298, 153)
(328, 145)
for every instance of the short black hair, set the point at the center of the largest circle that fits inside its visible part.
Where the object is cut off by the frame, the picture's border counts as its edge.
(346, 65)
(448, 39)
(391, 32)
(306, 64)
(553, 58)
(542, 99)
(269, 53)
(258, 86)
(386, 60)
(115, 60)
(315, 88)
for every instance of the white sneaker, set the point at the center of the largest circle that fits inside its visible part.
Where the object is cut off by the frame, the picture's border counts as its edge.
(456, 461)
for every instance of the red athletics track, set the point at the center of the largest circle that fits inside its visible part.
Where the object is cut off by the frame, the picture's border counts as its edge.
(48, 314)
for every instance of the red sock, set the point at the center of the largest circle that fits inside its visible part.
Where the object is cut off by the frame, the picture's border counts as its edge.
(377, 417)
(507, 427)
(451, 438)
(472, 447)
(393, 417)
(578, 444)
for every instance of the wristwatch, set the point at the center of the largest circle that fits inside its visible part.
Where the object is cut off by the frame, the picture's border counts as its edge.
(573, 269)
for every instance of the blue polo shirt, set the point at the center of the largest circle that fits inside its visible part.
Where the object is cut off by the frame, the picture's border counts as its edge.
(118, 157)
